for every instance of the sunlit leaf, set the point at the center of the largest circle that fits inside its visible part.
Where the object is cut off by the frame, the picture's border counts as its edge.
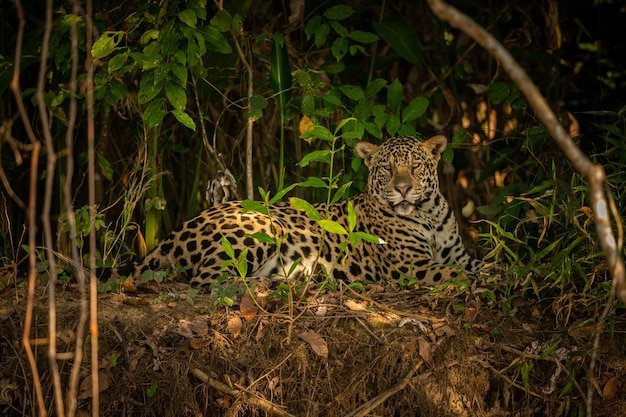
(185, 119)
(332, 227)
(106, 44)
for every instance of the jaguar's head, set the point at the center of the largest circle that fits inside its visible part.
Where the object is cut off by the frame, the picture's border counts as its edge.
(403, 171)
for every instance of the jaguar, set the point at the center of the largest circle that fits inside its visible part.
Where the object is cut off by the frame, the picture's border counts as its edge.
(401, 205)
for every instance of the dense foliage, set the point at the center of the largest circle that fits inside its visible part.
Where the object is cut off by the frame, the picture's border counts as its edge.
(176, 83)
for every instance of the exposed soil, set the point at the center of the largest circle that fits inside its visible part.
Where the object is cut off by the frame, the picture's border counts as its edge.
(386, 353)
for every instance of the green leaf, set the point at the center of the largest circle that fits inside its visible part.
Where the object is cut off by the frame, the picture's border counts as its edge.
(279, 195)
(222, 20)
(263, 237)
(216, 40)
(368, 237)
(352, 91)
(188, 16)
(179, 71)
(393, 124)
(117, 62)
(176, 95)
(341, 191)
(401, 36)
(458, 137)
(374, 130)
(149, 35)
(308, 104)
(305, 206)
(321, 35)
(154, 113)
(185, 119)
(351, 216)
(105, 167)
(363, 110)
(416, 108)
(257, 206)
(394, 95)
(339, 48)
(374, 87)
(339, 28)
(106, 44)
(332, 227)
(280, 73)
(315, 182)
(318, 132)
(228, 248)
(498, 92)
(312, 26)
(448, 155)
(363, 37)
(315, 156)
(242, 263)
(339, 12)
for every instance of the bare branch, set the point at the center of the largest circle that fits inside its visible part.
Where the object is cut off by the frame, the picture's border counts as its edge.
(31, 211)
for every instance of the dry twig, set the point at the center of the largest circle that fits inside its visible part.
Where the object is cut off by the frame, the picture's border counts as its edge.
(249, 398)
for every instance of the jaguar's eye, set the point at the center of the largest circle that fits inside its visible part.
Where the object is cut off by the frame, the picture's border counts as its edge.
(385, 168)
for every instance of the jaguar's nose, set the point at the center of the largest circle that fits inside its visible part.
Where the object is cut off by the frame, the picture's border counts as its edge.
(403, 189)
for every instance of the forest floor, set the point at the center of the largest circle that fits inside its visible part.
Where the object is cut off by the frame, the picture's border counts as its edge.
(338, 353)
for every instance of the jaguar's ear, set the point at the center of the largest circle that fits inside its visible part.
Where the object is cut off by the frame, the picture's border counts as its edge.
(436, 145)
(366, 152)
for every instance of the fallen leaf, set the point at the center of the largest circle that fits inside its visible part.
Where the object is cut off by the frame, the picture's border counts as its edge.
(199, 327)
(85, 389)
(129, 285)
(134, 361)
(317, 343)
(234, 326)
(136, 301)
(199, 342)
(248, 308)
(354, 306)
(425, 350)
(610, 389)
(469, 315)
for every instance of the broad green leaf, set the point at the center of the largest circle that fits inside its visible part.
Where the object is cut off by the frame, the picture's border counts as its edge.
(498, 92)
(458, 137)
(340, 192)
(368, 237)
(332, 98)
(222, 20)
(416, 108)
(315, 182)
(117, 62)
(363, 110)
(393, 124)
(321, 35)
(363, 37)
(180, 73)
(312, 26)
(228, 248)
(448, 155)
(216, 40)
(394, 95)
(263, 237)
(355, 49)
(258, 102)
(176, 95)
(154, 113)
(401, 36)
(257, 206)
(380, 115)
(351, 216)
(305, 206)
(280, 73)
(149, 35)
(332, 227)
(352, 91)
(185, 119)
(339, 28)
(105, 167)
(242, 263)
(106, 44)
(279, 195)
(374, 87)
(374, 130)
(315, 156)
(308, 104)
(293, 266)
(339, 12)
(339, 48)
(318, 132)
(188, 16)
